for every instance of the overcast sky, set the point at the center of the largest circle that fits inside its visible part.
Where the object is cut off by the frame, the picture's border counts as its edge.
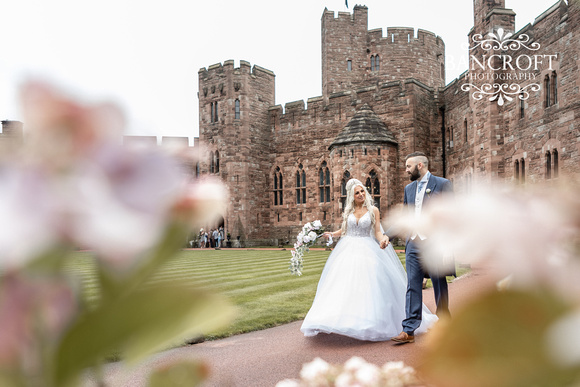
(145, 55)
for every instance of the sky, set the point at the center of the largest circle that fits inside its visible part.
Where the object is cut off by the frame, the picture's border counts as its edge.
(145, 55)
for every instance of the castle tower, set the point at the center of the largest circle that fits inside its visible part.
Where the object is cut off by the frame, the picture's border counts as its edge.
(233, 126)
(353, 56)
(490, 16)
(366, 148)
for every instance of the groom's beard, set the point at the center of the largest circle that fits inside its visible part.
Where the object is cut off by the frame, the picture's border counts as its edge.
(414, 175)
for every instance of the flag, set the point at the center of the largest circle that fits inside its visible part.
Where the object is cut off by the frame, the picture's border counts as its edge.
(346, 2)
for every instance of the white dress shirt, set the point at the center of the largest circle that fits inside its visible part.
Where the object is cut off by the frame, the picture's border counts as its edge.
(419, 195)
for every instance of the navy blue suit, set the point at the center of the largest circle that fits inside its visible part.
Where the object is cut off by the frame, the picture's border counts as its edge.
(415, 272)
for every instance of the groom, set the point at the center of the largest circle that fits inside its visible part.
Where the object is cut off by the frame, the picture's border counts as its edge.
(423, 188)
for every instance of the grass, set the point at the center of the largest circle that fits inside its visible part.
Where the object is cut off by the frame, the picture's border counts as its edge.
(258, 282)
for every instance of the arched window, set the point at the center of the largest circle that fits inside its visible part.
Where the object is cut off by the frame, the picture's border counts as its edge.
(555, 162)
(554, 84)
(217, 162)
(197, 169)
(237, 110)
(465, 129)
(372, 63)
(547, 90)
(278, 187)
(374, 187)
(517, 171)
(345, 179)
(377, 63)
(522, 170)
(211, 163)
(300, 185)
(324, 183)
(548, 165)
(349, 65)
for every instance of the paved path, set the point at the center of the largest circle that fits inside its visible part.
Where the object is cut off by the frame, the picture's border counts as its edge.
(265, 357)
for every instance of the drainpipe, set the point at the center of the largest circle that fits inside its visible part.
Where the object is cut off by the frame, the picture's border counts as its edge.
(443, 143)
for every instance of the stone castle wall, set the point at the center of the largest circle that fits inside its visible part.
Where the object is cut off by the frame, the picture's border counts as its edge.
(467, 140)
(488, 139)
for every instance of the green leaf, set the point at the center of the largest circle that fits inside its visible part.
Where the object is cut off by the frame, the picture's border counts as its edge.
(498, 340)
(50, 261)
(115, 284)
(138, 324)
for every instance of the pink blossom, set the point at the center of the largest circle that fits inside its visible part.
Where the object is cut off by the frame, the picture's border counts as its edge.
(528, 234)
(75, 184)
(31, 308)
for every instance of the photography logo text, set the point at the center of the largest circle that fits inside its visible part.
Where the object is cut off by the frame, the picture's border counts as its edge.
(503, 73)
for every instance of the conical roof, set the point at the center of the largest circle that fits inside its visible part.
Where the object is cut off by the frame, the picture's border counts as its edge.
(364, 127)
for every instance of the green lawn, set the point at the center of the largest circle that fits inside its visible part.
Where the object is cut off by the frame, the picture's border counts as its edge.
(258, 282)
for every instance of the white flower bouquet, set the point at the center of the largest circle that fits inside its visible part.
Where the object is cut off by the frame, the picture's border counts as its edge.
(307, 237)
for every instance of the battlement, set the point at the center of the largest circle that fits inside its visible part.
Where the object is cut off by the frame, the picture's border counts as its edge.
(353, 55)
(297, 111)
(245, 68)
(360, 13)
(404, 35)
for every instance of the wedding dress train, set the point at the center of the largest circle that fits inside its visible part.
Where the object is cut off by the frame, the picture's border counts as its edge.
(361, 292)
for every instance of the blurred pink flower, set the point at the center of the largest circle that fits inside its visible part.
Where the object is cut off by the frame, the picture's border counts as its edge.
(32, 310)
(59, 129)
(202, 201)
(119, 203)
(75, 183)
(28, 213)
(528, 234)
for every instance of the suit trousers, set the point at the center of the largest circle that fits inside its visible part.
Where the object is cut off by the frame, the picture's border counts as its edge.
(414, 297)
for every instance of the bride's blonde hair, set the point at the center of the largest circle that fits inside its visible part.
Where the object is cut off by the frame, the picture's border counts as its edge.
(349, 207)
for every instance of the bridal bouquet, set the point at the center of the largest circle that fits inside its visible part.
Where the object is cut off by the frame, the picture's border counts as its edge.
(307, 237)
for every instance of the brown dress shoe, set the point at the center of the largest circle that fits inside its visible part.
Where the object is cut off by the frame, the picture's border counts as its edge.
(403, 338)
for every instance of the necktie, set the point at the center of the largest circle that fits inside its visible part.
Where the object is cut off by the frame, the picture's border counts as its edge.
(421, 183)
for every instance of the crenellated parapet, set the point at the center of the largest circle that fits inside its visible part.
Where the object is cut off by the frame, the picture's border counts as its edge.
(232, 90)
(353, 56)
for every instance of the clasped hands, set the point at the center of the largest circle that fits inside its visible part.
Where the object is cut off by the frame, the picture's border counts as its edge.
(384, 242)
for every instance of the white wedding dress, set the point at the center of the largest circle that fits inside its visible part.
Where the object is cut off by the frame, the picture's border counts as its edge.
(361, 292)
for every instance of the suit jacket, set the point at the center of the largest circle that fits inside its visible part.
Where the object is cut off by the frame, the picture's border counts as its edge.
(438, 186)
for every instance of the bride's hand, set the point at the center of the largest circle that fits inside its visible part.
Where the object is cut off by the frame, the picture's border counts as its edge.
(384, 242)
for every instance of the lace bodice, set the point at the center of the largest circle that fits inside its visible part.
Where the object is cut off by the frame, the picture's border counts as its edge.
(362, 229)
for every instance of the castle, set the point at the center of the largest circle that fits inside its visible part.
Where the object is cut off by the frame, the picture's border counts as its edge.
(383, 97)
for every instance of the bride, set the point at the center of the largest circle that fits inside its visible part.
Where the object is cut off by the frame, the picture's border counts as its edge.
(361, 292)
